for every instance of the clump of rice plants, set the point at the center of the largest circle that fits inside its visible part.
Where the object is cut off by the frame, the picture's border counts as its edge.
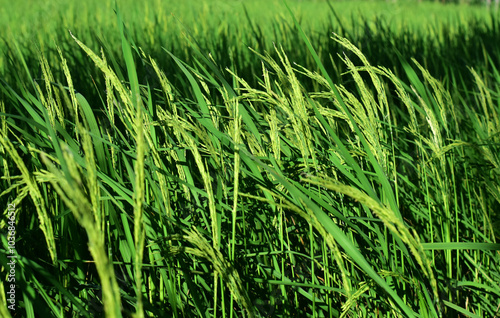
(322, 186)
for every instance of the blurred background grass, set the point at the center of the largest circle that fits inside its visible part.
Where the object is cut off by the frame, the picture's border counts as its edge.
(417, 153)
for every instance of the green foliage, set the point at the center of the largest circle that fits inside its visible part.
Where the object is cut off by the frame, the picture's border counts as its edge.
(160, 167)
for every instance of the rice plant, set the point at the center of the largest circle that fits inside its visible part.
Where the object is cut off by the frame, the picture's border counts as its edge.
(350, 172)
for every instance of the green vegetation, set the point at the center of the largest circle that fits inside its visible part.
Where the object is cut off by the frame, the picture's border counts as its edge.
(231, 161)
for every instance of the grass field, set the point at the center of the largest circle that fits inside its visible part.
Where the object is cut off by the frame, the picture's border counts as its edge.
(249, 159)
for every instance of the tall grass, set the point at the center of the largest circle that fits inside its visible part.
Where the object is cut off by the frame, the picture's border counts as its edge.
(312, 183)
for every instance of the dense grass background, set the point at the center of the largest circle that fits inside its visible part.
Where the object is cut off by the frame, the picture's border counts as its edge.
(231, 161)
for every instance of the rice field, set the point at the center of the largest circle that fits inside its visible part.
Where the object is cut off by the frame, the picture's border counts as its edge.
(249, 159)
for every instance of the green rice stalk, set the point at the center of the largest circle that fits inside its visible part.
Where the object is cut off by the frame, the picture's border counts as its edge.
(224, 268)
(351, 301)
(390, 220)
(110, 96)
(173, 151)
(207, 184)
(125, 96)
(313, 220)
(166, 87)
(298, 107)
(490, 122)
(53, 103)
(70, 190)
(135, 108)
(189, 140)
(93, 185)
(71, 88)
(21, 193)
(4, 132)
(444, 104)
(237, 162)
(35, 194)
(366, 112)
